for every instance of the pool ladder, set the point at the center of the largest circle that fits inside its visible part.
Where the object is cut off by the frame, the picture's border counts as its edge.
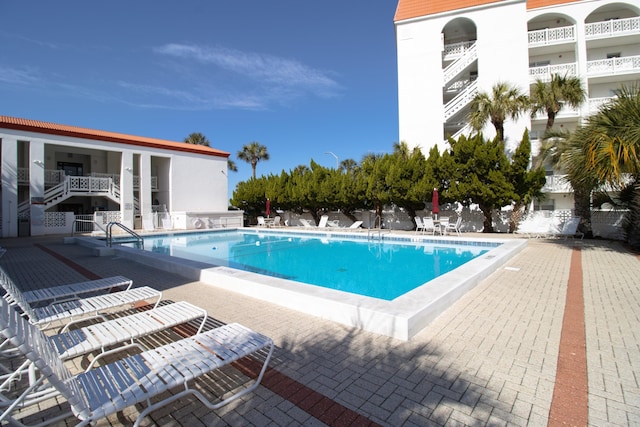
(371, 232)
(135, 237)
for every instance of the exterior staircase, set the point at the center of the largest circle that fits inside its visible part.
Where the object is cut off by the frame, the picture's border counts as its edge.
(87, 186)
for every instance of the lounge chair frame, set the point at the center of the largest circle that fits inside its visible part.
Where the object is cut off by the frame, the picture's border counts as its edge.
(61, 293)
(108, 389)
(74, 311)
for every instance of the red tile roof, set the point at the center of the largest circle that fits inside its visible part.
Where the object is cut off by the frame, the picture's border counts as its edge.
(408, 9)
(15, 123)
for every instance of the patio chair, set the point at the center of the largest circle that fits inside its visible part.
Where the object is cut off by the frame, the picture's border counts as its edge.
(261, 222)
(72, 291)
(419, 224)
(74, 311)
(324, 219)
(454, 226)
(428, 225)
(111, 388)
(276, 222)
(121, 332)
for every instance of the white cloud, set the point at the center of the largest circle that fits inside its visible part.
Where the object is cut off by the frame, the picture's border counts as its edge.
(18, 76)
(263, 70)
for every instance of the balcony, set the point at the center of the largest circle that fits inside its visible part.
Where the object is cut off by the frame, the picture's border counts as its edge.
(614, 66)
(612, 28)
(552, 36)
(595, 103)
(557, 184)
(545, 72)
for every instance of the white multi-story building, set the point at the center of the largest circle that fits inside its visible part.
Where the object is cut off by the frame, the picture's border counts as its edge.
(448, 51)
(53, 173)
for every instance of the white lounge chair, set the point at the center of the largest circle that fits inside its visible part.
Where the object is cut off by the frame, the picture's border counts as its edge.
(356, 225)
(72, 291)
(71, 312)
(324, 219)
(419, 224)
(306, 223)
(111, 388)
(121, 332)
(570, 228)
(261, 222)
(276, 222)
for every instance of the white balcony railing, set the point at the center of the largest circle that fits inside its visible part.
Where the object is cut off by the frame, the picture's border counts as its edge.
(545, 72)
(136, 179)
(596, 103)
(612, 28)
(550, 36)
(557, 184)
(611, 66)
(51, 177)
(456, 50)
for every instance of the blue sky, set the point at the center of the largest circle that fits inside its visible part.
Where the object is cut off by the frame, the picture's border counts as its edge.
(301, 78)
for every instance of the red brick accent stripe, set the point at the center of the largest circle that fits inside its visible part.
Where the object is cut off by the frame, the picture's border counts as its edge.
(569, 406)
(315, 404)
(80, 269)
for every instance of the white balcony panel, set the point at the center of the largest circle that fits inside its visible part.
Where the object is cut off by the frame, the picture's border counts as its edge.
(544, 73)
(550, 36)
(613, 66)
(612, 28)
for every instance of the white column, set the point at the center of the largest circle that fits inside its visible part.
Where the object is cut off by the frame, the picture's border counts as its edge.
(145, 191)
(36, 187)
(9, 187)
(126, 189)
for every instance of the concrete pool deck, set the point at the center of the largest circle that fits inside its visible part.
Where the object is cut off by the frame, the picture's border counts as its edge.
(492, 358)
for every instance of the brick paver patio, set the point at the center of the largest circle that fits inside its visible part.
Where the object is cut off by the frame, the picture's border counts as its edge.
(491, 359)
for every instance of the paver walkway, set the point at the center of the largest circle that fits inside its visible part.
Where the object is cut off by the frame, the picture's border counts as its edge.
(491, 359)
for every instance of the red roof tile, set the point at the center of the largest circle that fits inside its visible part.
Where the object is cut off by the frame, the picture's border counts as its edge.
(15, 123)
(408, 9)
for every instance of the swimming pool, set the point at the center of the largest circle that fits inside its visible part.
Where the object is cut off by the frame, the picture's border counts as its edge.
(350, 264)
(401, 318)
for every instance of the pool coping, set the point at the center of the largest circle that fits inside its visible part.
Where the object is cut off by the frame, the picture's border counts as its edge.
(400, 318)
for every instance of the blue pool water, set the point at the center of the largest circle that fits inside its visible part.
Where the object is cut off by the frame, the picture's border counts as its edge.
(376, 269)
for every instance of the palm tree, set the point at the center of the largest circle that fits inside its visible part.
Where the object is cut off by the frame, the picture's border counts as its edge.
(504, 101)
(610, 151)
(550, 97)
(231, 165)
(348, 165)
(197, 138)
(252, 153)
(611, 138)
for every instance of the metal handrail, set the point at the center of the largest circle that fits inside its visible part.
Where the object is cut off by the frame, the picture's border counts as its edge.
(139, 238)
(73, 226)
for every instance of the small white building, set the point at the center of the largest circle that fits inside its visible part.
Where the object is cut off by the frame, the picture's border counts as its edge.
(449, 51)
(53, 174)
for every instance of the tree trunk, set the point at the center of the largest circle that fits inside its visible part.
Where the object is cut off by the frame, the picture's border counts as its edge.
(488, 218)
(582, 205)
(516, 215)
(412, 214)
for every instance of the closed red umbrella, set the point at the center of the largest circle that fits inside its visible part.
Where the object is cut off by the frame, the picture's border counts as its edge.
(435, 203)
(268, 209)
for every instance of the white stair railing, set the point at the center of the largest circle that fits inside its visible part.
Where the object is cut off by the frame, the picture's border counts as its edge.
(460, 101)
(457, 66)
